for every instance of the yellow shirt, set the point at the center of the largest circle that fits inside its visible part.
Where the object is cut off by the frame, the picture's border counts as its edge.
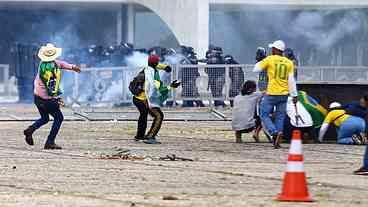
(278, 70)
(332, 115)
(142, 96)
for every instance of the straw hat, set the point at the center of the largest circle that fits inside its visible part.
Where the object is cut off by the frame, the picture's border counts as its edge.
(49, 52)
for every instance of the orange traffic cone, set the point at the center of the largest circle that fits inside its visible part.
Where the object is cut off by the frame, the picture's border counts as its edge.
(295, 186)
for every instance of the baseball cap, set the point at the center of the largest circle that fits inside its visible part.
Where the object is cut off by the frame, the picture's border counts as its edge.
(153, 59)
(335, 105)
(278, 44)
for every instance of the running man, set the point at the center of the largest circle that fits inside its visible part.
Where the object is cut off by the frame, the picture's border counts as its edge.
(281, 84)
(46, 93)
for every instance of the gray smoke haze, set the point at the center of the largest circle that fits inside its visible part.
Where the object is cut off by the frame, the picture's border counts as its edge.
(317, 36)
(135, 63)
(313, 27)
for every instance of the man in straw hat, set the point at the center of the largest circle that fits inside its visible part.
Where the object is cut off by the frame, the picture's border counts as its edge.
(47, 91)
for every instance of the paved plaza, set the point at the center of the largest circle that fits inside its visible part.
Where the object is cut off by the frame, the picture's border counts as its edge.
(89, 171)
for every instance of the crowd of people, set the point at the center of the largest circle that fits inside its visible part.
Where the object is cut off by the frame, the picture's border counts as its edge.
(118, 55)
(267, 107)
(277, 106)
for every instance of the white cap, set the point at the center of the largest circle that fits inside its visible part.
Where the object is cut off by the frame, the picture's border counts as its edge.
(335, 105)
(278, 44)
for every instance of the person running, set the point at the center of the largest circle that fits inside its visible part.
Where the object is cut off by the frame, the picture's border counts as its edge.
(244, 120)
(149, 100)
(47, 92)
(350, 127)
(281, 84)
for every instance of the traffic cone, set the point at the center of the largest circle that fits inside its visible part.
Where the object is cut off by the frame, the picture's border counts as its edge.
(295, 187)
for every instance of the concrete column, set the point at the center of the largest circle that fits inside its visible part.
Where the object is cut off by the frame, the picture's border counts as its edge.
(203, 16)
(187, 19)
(130, 23)
(119, 25)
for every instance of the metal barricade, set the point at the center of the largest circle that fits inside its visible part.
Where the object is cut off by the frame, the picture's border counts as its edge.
(199, 82)
(4, 80)
(99, 85)
(333, 75)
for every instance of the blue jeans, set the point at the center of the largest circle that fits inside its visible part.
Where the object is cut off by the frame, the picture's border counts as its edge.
(268, 104)
(352, 125)
(365, 158)
(46, 108)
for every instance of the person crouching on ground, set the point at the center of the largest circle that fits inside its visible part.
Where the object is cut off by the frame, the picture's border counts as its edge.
(46, 93)
(150, 100)
(244, 110)
(359, 109)
(350, 127)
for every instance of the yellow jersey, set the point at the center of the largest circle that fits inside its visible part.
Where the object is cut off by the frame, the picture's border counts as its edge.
(278, 70)
(337, 116)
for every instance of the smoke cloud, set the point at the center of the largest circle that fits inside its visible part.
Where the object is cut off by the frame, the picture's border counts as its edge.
(317, 36)
(316, 28)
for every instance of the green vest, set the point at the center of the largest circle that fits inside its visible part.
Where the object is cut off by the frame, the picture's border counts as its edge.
(164, 91)
(50, 75)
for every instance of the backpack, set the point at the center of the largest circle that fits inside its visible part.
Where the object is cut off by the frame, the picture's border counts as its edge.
(136, 86)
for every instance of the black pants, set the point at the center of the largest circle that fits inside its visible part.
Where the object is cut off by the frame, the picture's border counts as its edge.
(46, 108)
(144, 110)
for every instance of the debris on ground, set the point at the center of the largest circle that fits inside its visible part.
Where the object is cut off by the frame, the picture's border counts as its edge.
(170, 198)
(173, 157)
(125, 154)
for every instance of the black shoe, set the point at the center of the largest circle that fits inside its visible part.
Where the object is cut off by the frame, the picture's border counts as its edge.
(361, 171)
(140, 138)
(52, 147)
(276, 139)
(28, 133)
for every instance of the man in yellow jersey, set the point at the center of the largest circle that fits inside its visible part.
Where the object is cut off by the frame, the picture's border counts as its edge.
(350, 128)
(281, 84)
(149, 100)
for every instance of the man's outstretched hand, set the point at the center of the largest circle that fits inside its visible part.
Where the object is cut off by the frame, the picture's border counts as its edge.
(76, 69)
(168, 69)
(175, 84)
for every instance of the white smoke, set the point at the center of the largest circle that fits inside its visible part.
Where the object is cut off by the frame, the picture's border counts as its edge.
(313, 34)
(137, 59)
(135, 62)
(313, 27)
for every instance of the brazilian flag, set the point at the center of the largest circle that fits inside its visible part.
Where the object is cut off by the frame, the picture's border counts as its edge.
(317, 112)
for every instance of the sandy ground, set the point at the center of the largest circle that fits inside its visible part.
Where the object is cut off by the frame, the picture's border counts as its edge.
(222, 174)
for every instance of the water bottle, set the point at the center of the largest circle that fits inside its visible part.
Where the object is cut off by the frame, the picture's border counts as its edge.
(52, 85)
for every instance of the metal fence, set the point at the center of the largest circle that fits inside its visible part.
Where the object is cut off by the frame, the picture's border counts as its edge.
(199, 82)
(5, 82)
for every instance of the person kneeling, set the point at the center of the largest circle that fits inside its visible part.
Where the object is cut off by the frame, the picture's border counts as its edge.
(243, 120)
(350, 127)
